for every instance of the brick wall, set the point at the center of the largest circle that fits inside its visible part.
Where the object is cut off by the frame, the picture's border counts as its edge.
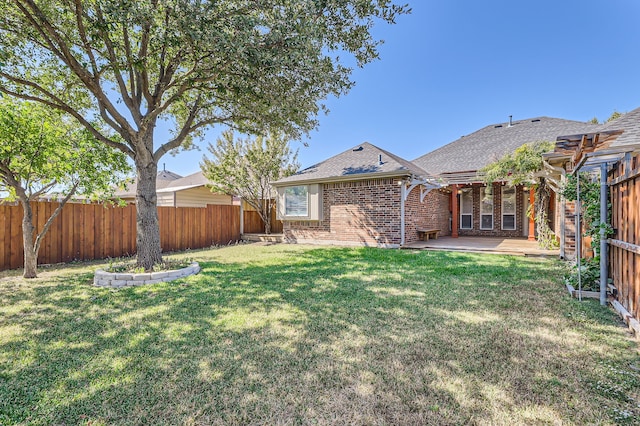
(497, 231)
(570, 230)
(363, 212)
(367, 212)
(432, 213)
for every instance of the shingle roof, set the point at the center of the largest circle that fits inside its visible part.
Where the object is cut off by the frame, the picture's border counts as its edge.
(363, 160)
(474, 151)
(629, 122)
(163, 179)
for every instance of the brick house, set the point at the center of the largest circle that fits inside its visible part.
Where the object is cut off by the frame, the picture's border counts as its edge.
(363, 196)
(499, 211)
(369, 196)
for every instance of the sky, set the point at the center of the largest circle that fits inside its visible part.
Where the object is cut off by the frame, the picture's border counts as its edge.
(452, 67)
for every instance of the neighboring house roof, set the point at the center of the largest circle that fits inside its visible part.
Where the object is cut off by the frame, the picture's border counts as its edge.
(163, 179)
(479, 149)
(363, 160)
(192, 181)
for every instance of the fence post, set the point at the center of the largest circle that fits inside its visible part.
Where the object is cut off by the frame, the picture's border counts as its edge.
(604, 273)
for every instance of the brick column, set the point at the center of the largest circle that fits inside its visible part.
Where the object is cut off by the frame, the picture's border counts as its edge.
(532, 225)
(454, 211)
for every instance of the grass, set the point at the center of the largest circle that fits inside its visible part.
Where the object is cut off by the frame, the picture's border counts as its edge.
(300, 335)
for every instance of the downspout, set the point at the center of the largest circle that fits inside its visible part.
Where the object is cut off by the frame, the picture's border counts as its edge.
(403, 190)
(604, 273)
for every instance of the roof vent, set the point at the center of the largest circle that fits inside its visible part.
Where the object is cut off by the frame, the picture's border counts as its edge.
(360, 148)
(380, 163)
(510, 120)
(497, 126)
(535, 121)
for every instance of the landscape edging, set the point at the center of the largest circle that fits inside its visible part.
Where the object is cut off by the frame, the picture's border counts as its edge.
(103, 278)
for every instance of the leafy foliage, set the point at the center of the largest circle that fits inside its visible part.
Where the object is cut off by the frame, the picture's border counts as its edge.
(590, 206)
(589, 275)
(247, 167)
(42, 151)
(520, 166)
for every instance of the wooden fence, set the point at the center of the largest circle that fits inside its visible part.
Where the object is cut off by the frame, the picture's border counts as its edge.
(624, 245)
(96, 231)
(253, 224)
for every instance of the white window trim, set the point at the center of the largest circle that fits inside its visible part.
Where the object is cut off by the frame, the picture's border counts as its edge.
(466, 214)
(482, 194)
(515, 209)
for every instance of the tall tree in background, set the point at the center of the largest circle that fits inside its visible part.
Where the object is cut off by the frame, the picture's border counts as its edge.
(522, 167)
(41, 152)
(247, 167)
(257, 66)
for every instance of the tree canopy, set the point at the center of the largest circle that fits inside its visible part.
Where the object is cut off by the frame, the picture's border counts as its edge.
(257, 66)
(247, 167)
(44, 152)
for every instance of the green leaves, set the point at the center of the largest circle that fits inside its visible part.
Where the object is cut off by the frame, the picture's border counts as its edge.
(518, 167)
(247, 167)
(42, 151)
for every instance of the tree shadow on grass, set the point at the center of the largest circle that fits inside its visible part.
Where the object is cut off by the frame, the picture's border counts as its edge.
(334, 336)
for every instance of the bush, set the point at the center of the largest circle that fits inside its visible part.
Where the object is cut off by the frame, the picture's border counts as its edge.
(590, 274)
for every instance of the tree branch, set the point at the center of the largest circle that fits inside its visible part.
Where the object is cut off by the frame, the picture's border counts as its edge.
(55, 214)
(66, 55)
(66, 108)
(114, 61)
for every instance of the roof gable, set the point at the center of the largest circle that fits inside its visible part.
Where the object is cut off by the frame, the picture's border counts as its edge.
(362, 160)
(481, 148)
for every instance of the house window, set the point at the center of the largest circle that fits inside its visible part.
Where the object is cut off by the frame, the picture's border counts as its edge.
(508, 208)
(466, 209)
(296, 201)
(486, 209)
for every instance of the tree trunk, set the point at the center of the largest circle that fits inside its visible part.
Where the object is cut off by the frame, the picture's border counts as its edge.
(30, 254)
(266, 216)
(546, 237)
(149, 251)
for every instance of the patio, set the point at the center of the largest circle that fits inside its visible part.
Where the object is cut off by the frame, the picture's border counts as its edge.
(512, 246)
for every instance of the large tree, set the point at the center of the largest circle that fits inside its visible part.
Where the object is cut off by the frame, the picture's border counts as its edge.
(258, 66)
(247, 167)
(41, 152)
(523, 166)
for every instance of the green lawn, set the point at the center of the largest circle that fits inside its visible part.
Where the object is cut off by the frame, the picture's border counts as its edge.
(302, 335)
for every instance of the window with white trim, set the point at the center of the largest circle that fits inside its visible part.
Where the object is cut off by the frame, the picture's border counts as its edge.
(466, 209)
(508, 208)
(296, 201)
(486, 209)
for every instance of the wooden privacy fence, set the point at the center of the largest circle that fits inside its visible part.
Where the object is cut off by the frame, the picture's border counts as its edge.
(253, 224)
(96, 231)
(624, 245)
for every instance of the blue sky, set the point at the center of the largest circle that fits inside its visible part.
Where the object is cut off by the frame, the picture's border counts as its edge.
(452, 67)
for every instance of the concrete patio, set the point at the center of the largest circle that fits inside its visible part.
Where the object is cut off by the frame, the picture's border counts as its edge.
(512, 246)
